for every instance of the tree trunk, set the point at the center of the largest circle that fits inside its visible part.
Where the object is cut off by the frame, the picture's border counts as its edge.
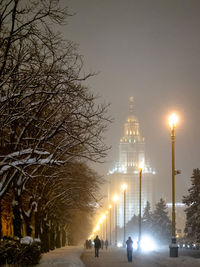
(45, 237)
(28, 226)
(17, 221)
(52, 236)
(0, 221)
(58, 238)
(37, 225)
(63, 238)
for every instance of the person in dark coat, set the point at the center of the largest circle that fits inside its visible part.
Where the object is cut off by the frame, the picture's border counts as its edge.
(102, 244)
(106, 244)
(129, 244)
(97, 246)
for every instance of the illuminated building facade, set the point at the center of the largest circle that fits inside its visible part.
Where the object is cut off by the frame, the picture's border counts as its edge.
(131, 154)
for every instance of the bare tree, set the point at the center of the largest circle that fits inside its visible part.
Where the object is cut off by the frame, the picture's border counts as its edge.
(47, 117)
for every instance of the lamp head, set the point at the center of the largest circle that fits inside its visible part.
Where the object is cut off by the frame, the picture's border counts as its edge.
(173, 119)
(141, 166)
(103, 217)
(124, 187)
(115, 198)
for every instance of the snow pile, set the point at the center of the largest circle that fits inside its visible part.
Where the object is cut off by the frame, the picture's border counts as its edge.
(27, 240)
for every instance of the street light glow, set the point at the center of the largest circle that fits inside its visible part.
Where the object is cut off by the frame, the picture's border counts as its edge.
(124, 187)
(173, 119)
(103, 217)
(141, 165)
(115, 198)
(110, 206)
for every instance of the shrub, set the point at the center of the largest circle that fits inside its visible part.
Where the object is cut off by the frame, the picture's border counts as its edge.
(13, 252)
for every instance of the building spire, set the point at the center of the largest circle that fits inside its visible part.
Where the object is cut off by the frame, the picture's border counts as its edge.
(131, 105)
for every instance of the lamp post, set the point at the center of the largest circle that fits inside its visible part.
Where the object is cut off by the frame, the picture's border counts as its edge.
(103, 218)
(100, 222)
(106, 225)
(110, 207)
(124, 187)
(173, 246)
(115, 199)
(140, 205)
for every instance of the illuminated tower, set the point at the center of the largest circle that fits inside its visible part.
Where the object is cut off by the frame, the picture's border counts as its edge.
(131, 154)
(131, 147)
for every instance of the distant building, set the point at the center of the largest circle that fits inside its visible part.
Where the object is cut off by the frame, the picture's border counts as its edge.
(131, 154)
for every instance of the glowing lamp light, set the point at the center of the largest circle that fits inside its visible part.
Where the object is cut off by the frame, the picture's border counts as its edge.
(119, 245)
(124, 187)
(106, 212)
(173, 119)
(100, 220)
(115, 198)
(141, 165)
(103, 217)
(147, 244)
(110, 206)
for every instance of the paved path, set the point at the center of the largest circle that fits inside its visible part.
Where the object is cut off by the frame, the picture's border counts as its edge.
(62, 257)
(116, 257)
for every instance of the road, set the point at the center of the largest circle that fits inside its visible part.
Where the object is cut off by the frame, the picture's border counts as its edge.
(116, 257)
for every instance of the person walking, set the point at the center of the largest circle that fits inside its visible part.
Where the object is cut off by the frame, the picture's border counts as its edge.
(106, 244)
(97, 245)
(102, 244)
(129, 244)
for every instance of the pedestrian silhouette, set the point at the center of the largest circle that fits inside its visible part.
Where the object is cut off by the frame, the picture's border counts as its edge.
(129, 244)
(102, 244)
(106, 244)
(97, 245)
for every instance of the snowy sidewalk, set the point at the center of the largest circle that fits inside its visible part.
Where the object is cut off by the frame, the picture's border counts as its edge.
(116, 257)
(62, 257)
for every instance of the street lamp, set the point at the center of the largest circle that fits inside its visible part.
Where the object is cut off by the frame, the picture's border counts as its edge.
(115, 199)
(103, 218)
(173, 119)
(110, 207)
(106, 225)
(124, 187)
(141, 166)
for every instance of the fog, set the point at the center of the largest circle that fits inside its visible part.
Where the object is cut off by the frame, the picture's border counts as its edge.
(149, 49)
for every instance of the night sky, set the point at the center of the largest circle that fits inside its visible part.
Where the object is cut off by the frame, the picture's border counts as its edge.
(149, 49)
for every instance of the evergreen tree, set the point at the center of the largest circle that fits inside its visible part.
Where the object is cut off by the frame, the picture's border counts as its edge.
(161, 222)
(147, 219)
(193, 209)
(132, 227)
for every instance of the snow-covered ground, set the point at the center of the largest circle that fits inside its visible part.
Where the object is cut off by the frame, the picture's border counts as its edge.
(113, 257)
(63, 257)
(117, 257)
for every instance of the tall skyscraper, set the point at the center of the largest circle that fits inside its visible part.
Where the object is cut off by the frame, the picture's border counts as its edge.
(131, 154)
